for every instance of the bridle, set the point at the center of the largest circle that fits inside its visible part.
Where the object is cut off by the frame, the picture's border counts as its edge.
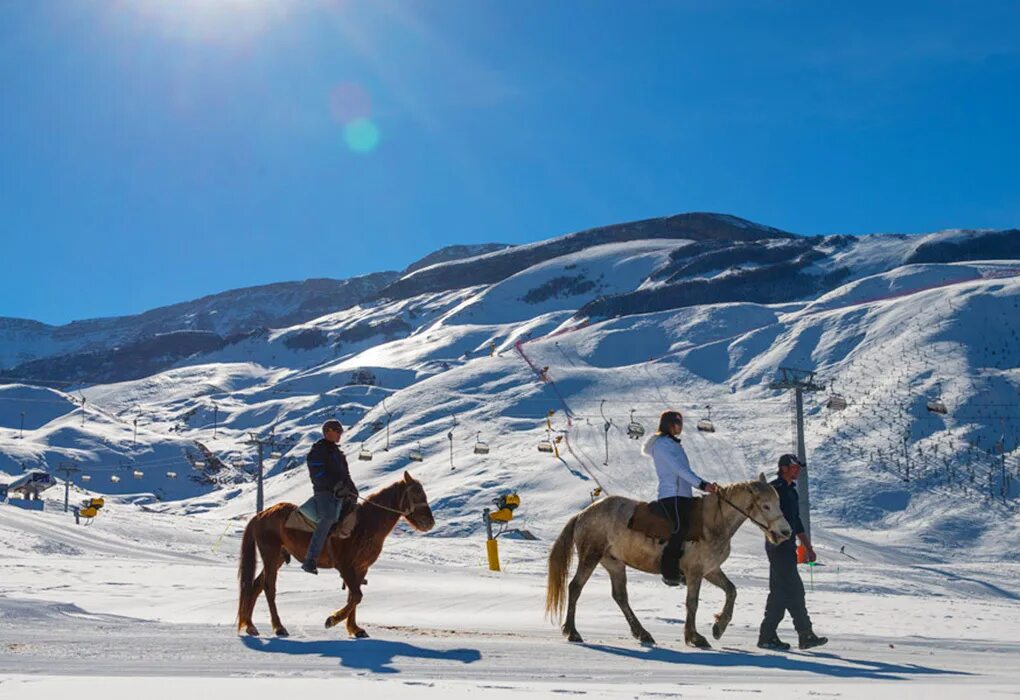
(765, 527)
(412, 507)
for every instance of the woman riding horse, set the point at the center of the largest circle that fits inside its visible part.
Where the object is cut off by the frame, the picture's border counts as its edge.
(676, 479)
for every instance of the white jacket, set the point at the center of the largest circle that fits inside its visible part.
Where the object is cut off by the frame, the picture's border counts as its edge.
(676, 478)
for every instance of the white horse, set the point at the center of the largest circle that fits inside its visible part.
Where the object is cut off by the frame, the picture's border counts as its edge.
(601, 536)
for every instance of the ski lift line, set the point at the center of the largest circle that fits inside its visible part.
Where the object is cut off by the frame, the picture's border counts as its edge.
(538, 373)
(570, 449)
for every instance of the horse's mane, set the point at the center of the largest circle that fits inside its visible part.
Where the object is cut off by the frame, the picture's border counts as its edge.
(751, 485)
(387, 496)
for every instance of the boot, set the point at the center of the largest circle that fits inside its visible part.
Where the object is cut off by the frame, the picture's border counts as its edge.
(309, 566)
(809, 640)
(772, 642)
(670, 568)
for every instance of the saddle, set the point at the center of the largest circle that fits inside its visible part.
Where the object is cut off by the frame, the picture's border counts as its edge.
(304, 518)
(651, 520)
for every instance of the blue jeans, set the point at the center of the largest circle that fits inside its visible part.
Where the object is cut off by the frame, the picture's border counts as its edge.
(327, 508)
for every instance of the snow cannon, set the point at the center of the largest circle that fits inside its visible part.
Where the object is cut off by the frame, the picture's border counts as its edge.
(504, 513)
(89, 509)
(505, 507)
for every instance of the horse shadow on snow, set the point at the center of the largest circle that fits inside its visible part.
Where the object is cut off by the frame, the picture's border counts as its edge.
(792, 661)
(374, 655)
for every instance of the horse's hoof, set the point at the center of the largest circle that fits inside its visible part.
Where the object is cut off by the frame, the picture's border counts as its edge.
(574, 637)
(699, 643)
(646, 640)
(717, 631)
(360, 634)
(330, 622)
(251, 631)
(282, 632)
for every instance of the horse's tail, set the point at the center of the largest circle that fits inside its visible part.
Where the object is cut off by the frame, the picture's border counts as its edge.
(246, 575)
(559, 565)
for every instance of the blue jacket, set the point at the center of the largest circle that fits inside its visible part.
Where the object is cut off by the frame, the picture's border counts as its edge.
(789, 503)
(327, 467)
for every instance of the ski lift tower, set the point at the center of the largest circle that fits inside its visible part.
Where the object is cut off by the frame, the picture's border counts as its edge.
(800, 381)
(261, 443)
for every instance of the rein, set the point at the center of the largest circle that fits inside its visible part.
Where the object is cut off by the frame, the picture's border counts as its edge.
(765, 527)
(405, 513)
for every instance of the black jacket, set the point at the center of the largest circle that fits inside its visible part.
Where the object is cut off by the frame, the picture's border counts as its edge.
(789, 503)
(327, 467)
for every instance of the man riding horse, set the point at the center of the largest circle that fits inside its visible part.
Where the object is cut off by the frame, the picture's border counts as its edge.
(332, 488)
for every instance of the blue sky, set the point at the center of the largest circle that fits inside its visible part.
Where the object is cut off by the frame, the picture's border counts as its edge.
(153, 151)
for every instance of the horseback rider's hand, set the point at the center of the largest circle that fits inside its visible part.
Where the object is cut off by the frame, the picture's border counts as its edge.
(712, 488)
(809, 554)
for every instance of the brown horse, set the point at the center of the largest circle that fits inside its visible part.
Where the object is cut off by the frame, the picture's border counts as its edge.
(352, 556)
(601, 536)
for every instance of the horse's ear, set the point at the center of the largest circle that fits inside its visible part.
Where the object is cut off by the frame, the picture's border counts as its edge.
(761, 478)
(407, 477)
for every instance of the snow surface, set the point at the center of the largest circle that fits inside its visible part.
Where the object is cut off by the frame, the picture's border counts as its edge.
(921, 601)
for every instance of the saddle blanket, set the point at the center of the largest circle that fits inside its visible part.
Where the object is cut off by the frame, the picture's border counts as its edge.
(649, 519)
(305, 517)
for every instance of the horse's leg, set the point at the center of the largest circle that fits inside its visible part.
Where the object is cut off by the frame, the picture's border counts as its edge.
(249, 607)
(585, 566)
(691, 635)
(352, 623)
(618, 575)
(348, 575)
(272, 568)
(270, 548)
(722, 620)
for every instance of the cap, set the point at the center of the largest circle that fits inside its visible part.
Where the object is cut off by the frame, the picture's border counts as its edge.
(332, 425)
(788, 460)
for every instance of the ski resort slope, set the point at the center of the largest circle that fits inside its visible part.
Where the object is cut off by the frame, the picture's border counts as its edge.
(142, 603)
(913, 510)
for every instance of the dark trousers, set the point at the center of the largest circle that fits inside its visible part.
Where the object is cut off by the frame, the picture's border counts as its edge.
(786, 590)
(327, 508)
(677, 509)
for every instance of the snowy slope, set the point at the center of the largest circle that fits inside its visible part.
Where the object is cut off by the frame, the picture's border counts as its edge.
(923, 502)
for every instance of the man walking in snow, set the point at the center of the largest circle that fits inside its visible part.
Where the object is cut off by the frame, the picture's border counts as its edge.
(332, 488)
(786, 590)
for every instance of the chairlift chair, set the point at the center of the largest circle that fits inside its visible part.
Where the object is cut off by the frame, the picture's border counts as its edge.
(705, 425)
(415, 455)
(546, 445)
(481, 448)
(114, 478)
(365, 455)
(86, 477)
(137, 473)
(937, 406)
(171, 475)
(836, 402)
(635, 431)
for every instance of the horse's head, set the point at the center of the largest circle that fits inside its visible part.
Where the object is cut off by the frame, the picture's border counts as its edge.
(415, 505)
(765, 509)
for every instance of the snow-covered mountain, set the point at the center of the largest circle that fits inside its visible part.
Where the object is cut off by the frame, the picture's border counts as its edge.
(612, 325)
